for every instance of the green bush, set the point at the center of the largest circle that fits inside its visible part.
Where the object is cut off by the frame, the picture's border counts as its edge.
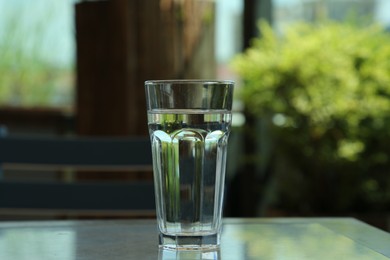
(324, 90)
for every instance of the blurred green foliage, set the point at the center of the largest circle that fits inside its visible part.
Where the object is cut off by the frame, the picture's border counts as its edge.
(27, 77)
(324, 91)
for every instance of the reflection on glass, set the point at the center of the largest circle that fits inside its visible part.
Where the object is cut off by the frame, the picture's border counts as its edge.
(291, 241)
(25, 243)
(164, 254)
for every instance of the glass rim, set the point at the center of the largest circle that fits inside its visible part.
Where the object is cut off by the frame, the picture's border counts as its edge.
(189, 81)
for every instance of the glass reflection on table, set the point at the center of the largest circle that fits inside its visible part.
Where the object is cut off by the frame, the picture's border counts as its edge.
(165, 254)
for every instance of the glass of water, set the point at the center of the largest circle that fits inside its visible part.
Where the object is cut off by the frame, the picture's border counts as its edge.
(189, 124)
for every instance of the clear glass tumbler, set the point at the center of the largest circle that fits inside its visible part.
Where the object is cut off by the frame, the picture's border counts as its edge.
(189, 123)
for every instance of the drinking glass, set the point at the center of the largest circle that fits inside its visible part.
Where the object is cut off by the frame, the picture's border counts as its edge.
(189, 123)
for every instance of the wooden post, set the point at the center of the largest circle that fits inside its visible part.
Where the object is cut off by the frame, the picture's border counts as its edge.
(122, 43)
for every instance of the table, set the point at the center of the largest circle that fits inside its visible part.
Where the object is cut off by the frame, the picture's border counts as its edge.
(257, 238)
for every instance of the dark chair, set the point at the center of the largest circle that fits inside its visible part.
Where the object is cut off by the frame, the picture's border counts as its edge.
(77, 198)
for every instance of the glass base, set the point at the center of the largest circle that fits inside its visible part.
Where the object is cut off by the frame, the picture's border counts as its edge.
(204, 243)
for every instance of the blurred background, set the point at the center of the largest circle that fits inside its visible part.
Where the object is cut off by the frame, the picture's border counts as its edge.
(311, 123)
